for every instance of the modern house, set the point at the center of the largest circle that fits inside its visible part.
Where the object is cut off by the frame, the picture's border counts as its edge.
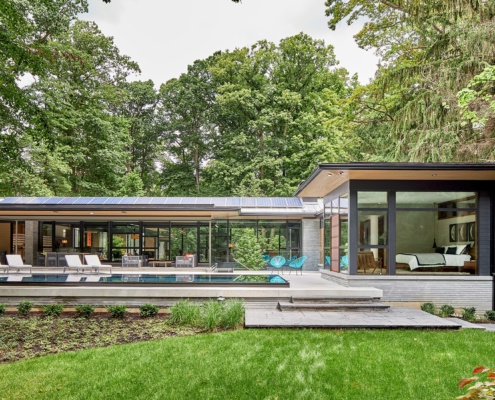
(419, 232)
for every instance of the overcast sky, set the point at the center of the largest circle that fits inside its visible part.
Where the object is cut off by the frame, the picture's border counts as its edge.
(165, 36)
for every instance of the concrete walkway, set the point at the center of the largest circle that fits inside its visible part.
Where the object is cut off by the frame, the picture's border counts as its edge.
(395, 317)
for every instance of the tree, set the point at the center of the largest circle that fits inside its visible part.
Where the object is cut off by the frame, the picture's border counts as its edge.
(137, 106)
(429, 51)
(75, 118)
(278, 114)
(187, 128)
(248, 251)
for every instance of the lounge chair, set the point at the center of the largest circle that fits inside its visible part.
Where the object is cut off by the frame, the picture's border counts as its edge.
(277, 262)
(74, 262)
(297, 264)
(15, 262)
(94, 261)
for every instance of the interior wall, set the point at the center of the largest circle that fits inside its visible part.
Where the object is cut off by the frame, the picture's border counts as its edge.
(414, 232)
(5, 237)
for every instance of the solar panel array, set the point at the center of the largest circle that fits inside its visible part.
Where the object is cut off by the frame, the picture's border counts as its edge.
(245, 202)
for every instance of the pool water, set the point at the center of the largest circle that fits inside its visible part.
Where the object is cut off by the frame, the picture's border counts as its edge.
(146, 279)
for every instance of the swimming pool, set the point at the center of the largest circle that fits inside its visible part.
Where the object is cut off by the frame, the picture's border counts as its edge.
(144, 280)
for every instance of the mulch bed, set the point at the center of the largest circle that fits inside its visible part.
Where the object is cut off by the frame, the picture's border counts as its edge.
(37, 335)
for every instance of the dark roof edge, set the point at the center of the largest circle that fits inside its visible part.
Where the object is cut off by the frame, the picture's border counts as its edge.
(385, 166)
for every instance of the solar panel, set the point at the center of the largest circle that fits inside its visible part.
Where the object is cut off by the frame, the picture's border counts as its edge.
(98, 200)
(129, 200)
(279, 202)
(83, 200)
(158, 200)
(144, 200)
(9, 200)
(188, 200)
(53, 200)
(233, 202)
(67, 200)
(248, 202)
(263, 202)
(294, 202)
(112, 200)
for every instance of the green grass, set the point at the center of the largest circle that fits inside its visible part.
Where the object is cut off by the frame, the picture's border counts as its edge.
(260, 364)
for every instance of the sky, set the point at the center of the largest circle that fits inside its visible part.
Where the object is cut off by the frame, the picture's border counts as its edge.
(165, 36)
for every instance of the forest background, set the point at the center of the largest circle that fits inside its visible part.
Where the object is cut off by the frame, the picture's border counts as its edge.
(244, 122)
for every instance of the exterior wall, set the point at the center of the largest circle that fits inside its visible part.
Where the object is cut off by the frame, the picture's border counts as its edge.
(456, 290)
(310, 243)
(31, 246)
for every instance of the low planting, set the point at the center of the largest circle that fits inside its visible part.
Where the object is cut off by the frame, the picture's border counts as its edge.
(3, 308)
(466, 313)
(24, 308)
(148, 310)
(53, 310)
(117, 310)
(85, 310)
(210, 315)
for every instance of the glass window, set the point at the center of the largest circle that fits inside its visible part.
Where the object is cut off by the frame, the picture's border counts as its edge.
(372, 228)
(445, 200)
(96, 239)
(125, 240)
(372, 200)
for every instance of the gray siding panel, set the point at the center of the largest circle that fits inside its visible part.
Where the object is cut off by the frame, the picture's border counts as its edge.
(458, 291)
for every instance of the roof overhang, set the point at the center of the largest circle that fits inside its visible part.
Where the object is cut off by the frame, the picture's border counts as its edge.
(328, 177)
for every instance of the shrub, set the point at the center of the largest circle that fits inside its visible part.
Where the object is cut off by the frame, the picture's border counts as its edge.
(469, 314)
(148, 310)
(447, 310)
(428, 307)
(3, 308)
(85, 310)
(490, 314)
(53, 310)
(24, 307)
(211, 315)
(233, 314)
(480, 390)
(117, 310)
(184, 313)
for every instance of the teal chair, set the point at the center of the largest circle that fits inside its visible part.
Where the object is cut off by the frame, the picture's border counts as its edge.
(328, 261)
(287, 262)
(344, 263)
(297, 264)
(277, 262)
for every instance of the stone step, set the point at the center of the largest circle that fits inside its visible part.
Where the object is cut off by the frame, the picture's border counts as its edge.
(334, 306)
(334, 299)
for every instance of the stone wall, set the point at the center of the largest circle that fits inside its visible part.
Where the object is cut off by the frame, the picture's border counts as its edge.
(311, 243)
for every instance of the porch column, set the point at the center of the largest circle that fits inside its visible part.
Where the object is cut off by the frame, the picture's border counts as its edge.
(310, 245)
(31, 244)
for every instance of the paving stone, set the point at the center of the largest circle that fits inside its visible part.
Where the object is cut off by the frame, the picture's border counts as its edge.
(396, 317)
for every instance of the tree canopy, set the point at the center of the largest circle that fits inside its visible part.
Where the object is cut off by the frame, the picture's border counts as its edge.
(251, 121)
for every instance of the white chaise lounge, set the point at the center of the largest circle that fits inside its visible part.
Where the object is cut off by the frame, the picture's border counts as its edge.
(15, 262)
(94, 261)
(74, 262)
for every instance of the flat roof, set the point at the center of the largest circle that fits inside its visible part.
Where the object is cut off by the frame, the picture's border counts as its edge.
(327, 177)
(150, 208)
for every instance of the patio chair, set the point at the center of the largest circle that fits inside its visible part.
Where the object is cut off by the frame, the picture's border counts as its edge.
(277, 262)
(344, 263)
(328, 260)
(74, 262)
(94, 261)
(297, 264)
(287, 262)
(15, 262)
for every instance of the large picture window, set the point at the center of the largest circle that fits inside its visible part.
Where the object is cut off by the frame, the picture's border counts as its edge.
(436, 233)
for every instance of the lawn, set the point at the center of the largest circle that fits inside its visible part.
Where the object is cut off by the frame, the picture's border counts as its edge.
(260, 364)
